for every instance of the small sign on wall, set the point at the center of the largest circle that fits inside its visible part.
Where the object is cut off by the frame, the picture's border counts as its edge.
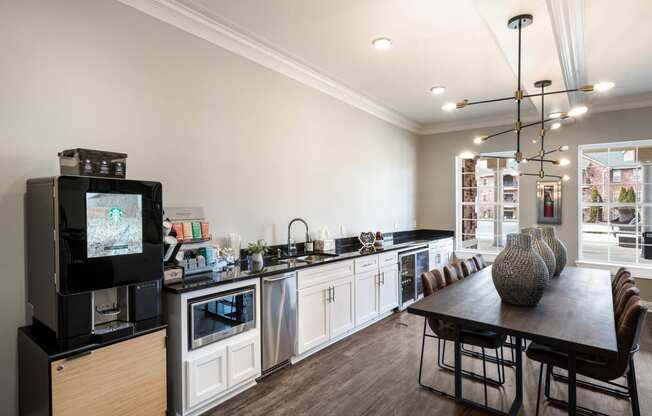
(548, 202)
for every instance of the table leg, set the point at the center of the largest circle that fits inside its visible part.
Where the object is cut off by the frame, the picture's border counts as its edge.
(572, 381)
(458, 364)
(518, 399)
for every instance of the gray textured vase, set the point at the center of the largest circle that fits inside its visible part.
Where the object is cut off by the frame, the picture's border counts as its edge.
(557, 247)
(542, 249)
(519, 273)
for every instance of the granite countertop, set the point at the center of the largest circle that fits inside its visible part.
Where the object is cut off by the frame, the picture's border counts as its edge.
(57, 350)
(272, 267)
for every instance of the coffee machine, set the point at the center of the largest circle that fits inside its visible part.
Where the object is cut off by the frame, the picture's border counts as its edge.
(95, 255)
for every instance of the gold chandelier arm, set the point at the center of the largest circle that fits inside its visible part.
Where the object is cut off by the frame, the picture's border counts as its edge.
(538, 176)
(494, 100)
(540, 94)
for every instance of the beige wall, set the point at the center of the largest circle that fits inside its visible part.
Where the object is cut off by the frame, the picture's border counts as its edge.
(251, 146)
(436, 190)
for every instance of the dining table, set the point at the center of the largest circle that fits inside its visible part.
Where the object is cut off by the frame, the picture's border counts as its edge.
(575, 315)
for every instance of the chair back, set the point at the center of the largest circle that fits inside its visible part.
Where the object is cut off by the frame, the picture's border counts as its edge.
(452, 273)
(479, 262)
(630, 326)
(620, 280)
(628, 291)
(468, 267)
(432, 281)
(614, 279)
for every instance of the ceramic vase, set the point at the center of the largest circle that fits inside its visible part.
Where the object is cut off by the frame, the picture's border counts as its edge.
(557, 247)
(519, 274)
(542, 248)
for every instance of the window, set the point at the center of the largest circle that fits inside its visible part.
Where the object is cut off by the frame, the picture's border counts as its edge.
(487, 201)
(616, 203)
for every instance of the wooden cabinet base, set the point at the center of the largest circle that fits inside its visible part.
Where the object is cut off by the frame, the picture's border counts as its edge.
(127, 378)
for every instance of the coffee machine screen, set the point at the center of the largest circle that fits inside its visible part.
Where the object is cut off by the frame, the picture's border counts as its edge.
(114, 224)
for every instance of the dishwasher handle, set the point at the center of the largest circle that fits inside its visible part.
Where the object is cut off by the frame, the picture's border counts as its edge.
(276, 279)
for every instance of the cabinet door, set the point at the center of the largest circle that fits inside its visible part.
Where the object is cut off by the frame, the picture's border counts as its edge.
(366, 289)
(313, 322)
(388, 289)
(434, 259)
(206, 377)
(243, 361)
(342, 314)
(126, 378)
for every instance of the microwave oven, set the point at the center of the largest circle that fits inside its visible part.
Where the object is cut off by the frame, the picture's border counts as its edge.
(107, 232)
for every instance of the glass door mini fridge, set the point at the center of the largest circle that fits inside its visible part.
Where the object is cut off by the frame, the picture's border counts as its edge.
(412, 265)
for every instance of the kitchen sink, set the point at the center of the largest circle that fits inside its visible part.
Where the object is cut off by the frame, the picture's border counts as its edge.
(314, 258)
(308, 258)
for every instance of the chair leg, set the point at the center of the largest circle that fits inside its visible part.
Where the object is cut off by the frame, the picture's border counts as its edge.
(546, 391)
(633, 389)
(501, 376)
(539, 388)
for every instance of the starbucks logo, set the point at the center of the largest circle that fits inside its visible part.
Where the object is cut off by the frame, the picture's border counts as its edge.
(114, 215)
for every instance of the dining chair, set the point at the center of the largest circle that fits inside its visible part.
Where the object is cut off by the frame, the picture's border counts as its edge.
(479, 262)
(452, 273)
(445, 331)
(468, 267)
(628, 331)
(620, 279)
(617, 275)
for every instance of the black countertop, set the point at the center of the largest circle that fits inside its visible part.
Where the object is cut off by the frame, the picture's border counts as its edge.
(56, 350)
(344, 252)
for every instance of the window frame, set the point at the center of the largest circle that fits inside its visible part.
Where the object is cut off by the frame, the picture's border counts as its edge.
(499, 206)
(643, 268)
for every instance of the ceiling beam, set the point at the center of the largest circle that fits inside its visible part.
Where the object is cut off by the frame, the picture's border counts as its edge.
(567, 20)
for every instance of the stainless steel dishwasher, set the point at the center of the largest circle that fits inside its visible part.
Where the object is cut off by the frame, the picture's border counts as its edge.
(279, 315)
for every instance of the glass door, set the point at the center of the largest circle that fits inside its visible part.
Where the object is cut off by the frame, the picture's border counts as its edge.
(408, 294)
(422, 266)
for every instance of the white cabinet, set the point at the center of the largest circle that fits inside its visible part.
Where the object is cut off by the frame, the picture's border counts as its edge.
(342, 307)
(388, 289)
(243, 360)
(205, 377)
(440, 253)
(313, 320)
(366, 304)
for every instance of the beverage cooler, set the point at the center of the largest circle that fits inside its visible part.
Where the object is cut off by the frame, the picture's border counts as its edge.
(412, 264)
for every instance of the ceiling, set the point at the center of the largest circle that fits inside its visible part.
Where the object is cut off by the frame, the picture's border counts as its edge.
(464, 45)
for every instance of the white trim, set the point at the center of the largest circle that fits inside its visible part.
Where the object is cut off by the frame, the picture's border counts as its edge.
(489, 256)
(636, 270)
(192, 21)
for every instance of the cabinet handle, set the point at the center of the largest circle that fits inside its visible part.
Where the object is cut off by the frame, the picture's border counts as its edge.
(60, 367)
(333, 293)
(383, 274)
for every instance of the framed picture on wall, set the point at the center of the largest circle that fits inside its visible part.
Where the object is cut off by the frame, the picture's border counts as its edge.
(548, 202)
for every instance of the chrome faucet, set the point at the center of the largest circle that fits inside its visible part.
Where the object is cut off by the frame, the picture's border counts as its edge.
(290, 227)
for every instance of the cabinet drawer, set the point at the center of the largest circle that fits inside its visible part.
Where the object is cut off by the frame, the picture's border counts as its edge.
(387, 259)
(126, 378)
(366, 264)
(323, 274)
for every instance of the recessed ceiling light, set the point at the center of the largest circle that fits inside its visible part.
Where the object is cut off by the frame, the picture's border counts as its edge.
(449, 107)
(437, 90)
(603, 86)
(555, 126)
(467, 155)
(565, 178)
(382, 43)
(577, 111)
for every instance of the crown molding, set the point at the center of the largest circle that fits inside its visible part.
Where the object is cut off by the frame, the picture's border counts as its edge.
(196, 23)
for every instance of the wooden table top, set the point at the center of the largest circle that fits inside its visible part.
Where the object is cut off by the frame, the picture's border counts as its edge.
(576, 310)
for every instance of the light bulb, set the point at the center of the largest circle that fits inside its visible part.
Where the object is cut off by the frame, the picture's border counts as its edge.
(563, 148)
(565, 178)
(578, 111)
(564, 162)
(479, 139)
(524, 161)
(437, 90)
(555, 126)
(603, 86)
(467, 155)
(382, 43)
(555, 115)
(448, 107)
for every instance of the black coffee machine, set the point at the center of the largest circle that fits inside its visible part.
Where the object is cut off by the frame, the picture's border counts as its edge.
(95, 255)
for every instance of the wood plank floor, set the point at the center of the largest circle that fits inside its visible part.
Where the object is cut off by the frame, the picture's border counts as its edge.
(374, 372)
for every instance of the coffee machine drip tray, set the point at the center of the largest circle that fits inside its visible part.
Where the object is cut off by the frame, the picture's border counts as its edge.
(112, 330)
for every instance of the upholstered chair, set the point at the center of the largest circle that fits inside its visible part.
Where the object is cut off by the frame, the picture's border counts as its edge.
(479, 262)
(468, 267)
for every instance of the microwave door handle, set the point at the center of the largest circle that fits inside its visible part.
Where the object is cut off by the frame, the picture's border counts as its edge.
(276, 279)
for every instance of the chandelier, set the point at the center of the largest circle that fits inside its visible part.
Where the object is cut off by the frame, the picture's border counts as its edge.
(553, 120)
